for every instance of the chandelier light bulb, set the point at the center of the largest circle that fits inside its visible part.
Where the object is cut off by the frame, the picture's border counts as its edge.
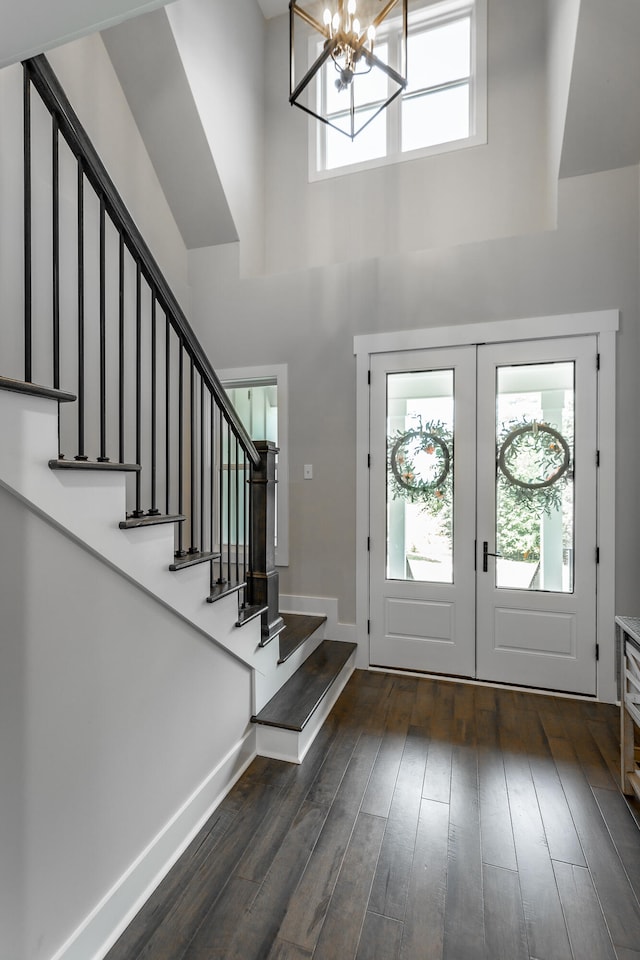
(336, 22)
(371, 33)
(351, 7)
(326, 16)
(356, 27)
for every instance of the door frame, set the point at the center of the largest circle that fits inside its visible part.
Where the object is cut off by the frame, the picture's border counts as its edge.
(604, 324)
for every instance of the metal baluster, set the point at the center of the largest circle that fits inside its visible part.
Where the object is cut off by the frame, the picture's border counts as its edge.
(138, 512)
(121, 397)
(202, 442)
(212, 474)
(180, 552)
(28, 333)
(221, 496)
(153, 510)
(167, 413)
(229, 504)
(103, 458)
(55, 248)
(81, 399)
(237, 507)
(245, 515)
(250, 530)
(192, 419)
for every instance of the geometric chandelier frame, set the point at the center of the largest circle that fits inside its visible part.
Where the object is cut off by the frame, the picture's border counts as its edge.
(348, 50)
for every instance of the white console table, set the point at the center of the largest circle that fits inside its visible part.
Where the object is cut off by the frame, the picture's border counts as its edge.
(628, 643)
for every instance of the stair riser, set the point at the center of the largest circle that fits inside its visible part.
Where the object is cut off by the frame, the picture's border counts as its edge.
(268, 684)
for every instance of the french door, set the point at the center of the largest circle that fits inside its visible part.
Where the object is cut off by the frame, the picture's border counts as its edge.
(483, 512)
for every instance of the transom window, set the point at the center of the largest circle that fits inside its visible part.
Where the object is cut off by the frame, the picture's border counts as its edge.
(442, 107)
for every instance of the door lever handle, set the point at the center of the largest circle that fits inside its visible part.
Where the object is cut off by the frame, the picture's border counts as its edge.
(486, 554)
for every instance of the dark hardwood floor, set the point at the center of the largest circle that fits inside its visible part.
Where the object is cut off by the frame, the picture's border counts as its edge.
(429, 820)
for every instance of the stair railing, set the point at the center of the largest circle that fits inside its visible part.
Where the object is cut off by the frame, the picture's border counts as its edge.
(101, 320)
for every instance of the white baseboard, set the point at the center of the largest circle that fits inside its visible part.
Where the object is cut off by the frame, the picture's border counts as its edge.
(101, 928)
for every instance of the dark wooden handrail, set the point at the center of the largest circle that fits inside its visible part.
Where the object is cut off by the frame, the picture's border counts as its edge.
(44, 80)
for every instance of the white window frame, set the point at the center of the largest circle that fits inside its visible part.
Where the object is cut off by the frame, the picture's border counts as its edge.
(280, 374)
(435, 14)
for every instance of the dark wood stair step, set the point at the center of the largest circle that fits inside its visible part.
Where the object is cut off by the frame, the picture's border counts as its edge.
(219, 590)
(36, 390)
(150, 520)
(250, 612)
(63, 464)
(298, 627)
(191, 559)
(294, 704)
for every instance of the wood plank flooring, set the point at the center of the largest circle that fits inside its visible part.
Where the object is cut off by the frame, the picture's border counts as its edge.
(430, 820)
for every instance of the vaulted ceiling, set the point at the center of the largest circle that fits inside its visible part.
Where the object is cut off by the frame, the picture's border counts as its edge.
(30, 26)
(602, 129)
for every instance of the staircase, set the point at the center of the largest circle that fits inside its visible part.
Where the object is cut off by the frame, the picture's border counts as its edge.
(143, 460)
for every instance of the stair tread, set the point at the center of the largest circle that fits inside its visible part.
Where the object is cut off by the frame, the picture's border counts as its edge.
(219, 590)
(191, 559)
(249, 613)
(92, 465)
(36, 390)
(150, 520)
(294, 704)
(297, 629)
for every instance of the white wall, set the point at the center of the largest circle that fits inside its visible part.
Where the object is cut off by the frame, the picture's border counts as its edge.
(308, 319)
(500, 189)
(117, 712)
(90, 82)
(222, 48)
(562, 28)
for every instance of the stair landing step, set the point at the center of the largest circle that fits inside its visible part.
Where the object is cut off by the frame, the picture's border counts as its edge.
(294, 704)
(298, 627)
(36, 390)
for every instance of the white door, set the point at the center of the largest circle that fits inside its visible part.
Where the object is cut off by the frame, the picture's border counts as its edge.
(536, 601)
(423, 510)
(483, 494)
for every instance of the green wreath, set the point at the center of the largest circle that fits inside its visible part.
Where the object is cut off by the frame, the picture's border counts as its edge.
(534, 464)
(429, 481)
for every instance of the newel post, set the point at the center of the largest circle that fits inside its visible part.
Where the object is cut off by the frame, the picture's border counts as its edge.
(263, 576)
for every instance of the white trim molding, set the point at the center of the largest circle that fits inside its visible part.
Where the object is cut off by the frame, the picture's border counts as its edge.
(280, 373)
(101, 928)
(604, 324)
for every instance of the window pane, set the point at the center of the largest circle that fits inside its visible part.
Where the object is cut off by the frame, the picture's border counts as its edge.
(369, 87)
(371, 143)
(435, 118)
(534, 488)
(439, 55)
(420, 446)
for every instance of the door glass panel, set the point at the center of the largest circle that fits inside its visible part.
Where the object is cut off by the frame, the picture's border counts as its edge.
(420, 419)
(534, 477)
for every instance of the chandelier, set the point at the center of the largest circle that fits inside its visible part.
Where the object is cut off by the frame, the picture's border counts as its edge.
(356, 70)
